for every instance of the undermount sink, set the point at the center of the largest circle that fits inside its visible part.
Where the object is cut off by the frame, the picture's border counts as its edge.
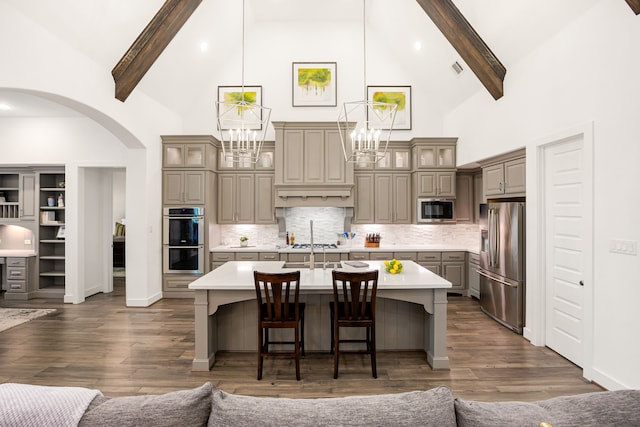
(298, 264)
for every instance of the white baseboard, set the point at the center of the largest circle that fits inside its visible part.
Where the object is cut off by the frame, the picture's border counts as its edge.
(145, 302)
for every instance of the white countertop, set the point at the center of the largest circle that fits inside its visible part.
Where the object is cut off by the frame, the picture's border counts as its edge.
(238, 275)
(16, 253)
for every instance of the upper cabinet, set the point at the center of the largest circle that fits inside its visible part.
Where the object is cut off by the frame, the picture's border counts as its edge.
(17, 196)
(434, 153)
(193, 154)
(504, 176)
(310, 169)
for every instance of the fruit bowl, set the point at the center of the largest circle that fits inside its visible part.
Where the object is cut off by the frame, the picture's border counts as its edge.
(394, 266)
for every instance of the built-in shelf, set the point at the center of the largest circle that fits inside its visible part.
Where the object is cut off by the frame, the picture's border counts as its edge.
(51, 252)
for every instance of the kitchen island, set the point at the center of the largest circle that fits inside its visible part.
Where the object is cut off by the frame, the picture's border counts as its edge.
(232, 283)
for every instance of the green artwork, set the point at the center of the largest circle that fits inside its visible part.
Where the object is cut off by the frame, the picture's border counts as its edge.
(314, 79)
(397, 98)
(232, 97)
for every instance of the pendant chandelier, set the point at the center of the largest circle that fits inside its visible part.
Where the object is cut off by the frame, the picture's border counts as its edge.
(242, 122)
(365, 126)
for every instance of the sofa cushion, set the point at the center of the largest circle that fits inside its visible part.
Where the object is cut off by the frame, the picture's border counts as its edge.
(608, 408)
(425, 408)
(184, 407)
(500, 414)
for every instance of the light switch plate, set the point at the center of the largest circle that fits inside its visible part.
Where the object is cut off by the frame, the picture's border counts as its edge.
(626, 247)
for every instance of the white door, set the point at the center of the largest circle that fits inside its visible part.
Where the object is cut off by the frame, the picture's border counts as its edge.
(567, 246)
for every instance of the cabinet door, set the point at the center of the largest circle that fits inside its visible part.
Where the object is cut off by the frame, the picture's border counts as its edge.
(194, 156)
(334, 165)
(314, 150)
(226, 198)
(436, 157)
(364, 196)
(264, 199)
(383, 205)
(28, 206)
(194, 187)
(446, 184)
(401, 199)
(293, 157)
(454, 272)
(493, 180)
(245, 204)
(426, 184)
(434, 266)
(173, 155)
(172, 185)
(464, 198)
(514, 174)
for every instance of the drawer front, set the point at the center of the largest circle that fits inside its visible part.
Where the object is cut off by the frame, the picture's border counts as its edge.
(453, 256)
(16, 262)
(429, 256)
(222, 256)
(269, 256)
(215, 265)
(359, 256)
(405, 256)
(380, 256)
(16, 273)
(174, 284)
(246, 256)
(18, 286)
(474, 258)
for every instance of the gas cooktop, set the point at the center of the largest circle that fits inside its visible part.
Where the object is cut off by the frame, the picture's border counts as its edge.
(315, 246)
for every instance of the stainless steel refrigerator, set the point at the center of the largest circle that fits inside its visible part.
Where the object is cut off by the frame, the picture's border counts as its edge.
(502, 263)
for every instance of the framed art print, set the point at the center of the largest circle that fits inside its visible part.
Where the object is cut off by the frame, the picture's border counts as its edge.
(230, 114)
(314, 84)
(399, 95)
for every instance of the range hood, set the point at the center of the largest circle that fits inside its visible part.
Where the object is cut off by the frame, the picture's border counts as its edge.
(310, 169)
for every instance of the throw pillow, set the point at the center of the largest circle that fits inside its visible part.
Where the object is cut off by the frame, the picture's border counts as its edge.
(424, 408)
(178, 408)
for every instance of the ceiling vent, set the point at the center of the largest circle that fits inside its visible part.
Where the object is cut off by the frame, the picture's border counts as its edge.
(457, 68)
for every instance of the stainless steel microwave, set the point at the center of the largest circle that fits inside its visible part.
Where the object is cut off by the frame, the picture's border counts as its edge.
(435, 210)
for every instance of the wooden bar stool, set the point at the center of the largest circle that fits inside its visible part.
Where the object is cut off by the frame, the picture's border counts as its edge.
(279, 307)
(354, 306)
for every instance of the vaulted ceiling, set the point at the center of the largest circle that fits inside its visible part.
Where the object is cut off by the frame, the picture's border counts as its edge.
(105, 30)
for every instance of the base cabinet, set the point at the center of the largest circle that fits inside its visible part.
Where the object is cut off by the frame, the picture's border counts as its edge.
(21, 278)
(177, 286)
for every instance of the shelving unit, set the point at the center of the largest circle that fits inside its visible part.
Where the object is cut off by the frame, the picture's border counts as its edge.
(10, 190)
(51, 254)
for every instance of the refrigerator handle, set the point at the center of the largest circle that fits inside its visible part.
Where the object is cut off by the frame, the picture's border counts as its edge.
(493, 237)
(502, 282)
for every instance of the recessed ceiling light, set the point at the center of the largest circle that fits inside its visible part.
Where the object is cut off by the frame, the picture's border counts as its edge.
(417, 46)
(204, 46)
(5, 107)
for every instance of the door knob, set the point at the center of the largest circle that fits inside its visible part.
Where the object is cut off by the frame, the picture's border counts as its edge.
(581, 283)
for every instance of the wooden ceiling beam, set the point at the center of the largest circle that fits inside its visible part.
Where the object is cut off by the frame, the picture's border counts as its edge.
(475, 52)
(635, 6)
(149, 45)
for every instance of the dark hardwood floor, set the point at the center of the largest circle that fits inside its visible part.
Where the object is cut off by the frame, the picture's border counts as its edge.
(124, 351)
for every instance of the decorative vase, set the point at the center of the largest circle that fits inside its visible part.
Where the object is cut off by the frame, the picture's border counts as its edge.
(244, 243)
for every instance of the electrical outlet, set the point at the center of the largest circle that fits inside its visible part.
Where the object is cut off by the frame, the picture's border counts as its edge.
(27, 241)
(626, 247)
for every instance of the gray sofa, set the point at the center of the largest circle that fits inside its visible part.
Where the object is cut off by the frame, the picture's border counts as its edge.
(204, 406)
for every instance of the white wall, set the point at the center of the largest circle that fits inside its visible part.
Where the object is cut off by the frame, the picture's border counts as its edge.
(43, 64)
(587, 73)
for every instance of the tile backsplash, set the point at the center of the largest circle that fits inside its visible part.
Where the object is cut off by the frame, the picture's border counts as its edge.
(328, 222)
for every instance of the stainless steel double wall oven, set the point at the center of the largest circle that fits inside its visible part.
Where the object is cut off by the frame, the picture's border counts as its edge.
(183, 240)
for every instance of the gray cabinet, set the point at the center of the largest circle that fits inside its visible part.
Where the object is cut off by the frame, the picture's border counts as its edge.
(435, 184)
(187, 152)
(434, 154)
(184, 187)
(21, 278)
(431, 261)
(464, 205)
(505, 178)
(51, 242)
(236, 202)
(18, 197)
(264, 199)
(392, 199)
(364, 200)
(454, 269)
